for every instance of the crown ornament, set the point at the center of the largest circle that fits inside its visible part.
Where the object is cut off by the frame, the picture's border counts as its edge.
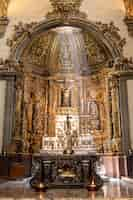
(65, 8)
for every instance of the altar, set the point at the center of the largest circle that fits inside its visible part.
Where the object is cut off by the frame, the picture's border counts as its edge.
(66, 171)
(67, 159)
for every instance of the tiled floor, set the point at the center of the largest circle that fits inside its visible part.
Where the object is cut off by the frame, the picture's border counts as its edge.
(113, 189)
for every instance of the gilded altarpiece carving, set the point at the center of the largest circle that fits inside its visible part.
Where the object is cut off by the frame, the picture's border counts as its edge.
(67, 68)
(92, 109)
(39, 102)
(35, 107)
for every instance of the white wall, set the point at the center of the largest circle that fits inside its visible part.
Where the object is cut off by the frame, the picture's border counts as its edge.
(2, 110)
(130, 109)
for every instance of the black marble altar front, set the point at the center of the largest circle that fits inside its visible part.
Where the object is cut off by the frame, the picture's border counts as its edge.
(66, 170)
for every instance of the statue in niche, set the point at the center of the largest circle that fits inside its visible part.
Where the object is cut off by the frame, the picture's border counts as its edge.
(30, 111)
(93, 112)
(66, 97)
(92, 107)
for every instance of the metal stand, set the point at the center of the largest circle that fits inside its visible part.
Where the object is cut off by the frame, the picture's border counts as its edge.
(95, 182)
(39, 183)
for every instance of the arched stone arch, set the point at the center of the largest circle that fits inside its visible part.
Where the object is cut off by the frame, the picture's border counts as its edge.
(106, 35)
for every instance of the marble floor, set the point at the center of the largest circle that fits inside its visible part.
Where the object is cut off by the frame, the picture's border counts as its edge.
(20, 190)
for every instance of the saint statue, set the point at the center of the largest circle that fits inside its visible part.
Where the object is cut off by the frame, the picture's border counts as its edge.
(93, 112)
(93, 109)
(66, 97)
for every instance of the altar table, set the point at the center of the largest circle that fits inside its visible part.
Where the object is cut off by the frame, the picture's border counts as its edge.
(63, 170)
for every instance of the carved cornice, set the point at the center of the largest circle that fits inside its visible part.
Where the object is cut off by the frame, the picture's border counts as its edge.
(10, 66)
(121, 66)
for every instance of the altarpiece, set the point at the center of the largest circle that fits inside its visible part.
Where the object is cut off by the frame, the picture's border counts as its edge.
(67, 67)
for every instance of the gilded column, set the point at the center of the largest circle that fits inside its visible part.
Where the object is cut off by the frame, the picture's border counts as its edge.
(19, 108)
(116, 136)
